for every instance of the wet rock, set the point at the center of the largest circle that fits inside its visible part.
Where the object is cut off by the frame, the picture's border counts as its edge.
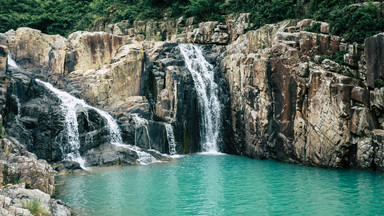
(110, 155)
(378, 140)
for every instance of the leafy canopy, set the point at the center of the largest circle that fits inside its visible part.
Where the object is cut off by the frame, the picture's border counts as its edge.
(66, 16)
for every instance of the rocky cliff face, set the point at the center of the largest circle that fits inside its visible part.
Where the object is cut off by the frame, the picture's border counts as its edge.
(291, 101)
(288, 94)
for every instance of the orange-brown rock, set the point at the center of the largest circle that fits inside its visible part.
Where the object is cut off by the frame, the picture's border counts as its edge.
(3, 58)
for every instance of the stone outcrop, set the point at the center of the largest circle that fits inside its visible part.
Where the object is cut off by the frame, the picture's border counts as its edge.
(374, 52)
(237, 24)
(115, 82)
(25, 179)
(92, 50)
(30, 47)
(3, 78)
(290, 104)
(15, 199)
(19, 165)
(180, 30)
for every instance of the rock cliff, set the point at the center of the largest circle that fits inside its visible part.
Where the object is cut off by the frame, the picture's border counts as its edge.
(288, 94)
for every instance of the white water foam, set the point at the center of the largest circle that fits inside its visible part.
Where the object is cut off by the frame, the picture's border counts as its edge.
(170, 139)
(207, 90)
(141, 122)
(70, 106)
(11, 62)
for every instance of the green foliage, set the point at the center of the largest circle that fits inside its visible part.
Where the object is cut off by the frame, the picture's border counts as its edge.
(357, 23)
(35, 208)
(204, 9)
(55, 17)
(63, 17)
(265, 11)
(337, 57)
(349, 74)
(315, 27)
(379, 83)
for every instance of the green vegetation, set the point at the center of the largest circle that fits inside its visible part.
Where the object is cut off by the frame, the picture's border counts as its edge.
(379, 83)
(315, 27)
(35, 208)
(338, 57)
(63, 17)
(357, 23)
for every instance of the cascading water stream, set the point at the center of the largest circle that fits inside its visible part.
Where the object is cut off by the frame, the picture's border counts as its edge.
(141, 122)
(12, 62)
(70, 106)
(207, 90)
(171, 139)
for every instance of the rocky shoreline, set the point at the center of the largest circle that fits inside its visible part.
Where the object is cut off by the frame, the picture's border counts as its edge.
(25, 179)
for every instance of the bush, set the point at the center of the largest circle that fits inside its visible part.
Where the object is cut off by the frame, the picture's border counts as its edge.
(338, 57)
(314, 27)
(357, 23)
(35, 208)
(63, 17)
(265, 12)
(379, 83)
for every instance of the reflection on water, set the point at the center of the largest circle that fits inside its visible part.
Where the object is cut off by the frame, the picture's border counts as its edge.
(224, 185)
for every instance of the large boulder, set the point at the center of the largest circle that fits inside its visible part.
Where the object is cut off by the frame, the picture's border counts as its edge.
(120, 79)
(31, 48)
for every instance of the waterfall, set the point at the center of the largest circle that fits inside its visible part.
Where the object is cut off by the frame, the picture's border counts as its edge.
(70, 106)
(141, 122)
(18, 116)
(171, 139)
(11, 62)
(207, 91)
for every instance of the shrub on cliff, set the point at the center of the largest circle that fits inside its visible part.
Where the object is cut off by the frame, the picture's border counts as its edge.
(35, 208)
(355, 23)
